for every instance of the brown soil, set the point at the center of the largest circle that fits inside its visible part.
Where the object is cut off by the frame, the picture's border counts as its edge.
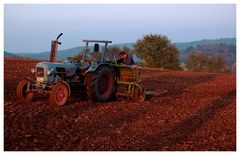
(185, 111)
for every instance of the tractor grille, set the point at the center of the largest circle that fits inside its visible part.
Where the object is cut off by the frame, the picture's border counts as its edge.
(40, 72)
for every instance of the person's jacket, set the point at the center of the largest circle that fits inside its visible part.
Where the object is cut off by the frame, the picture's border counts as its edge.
(128, 61)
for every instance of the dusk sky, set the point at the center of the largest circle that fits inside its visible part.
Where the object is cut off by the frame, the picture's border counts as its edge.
(30, 28)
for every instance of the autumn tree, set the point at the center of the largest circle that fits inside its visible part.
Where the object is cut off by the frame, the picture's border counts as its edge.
(113, 51)
(196, 62)
(157, 51)
(126, 49)
(216, 63)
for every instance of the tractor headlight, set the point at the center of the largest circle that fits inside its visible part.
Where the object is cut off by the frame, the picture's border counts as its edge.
(33, 70)
(50, 71)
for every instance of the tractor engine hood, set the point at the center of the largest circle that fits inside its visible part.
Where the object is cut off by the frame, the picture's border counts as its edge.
(50, 68)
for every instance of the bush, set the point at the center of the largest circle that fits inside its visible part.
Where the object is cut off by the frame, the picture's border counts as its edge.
(157, 51)
(198, 62)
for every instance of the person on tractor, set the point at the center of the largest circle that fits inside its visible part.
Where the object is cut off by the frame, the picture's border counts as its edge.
(125, 58)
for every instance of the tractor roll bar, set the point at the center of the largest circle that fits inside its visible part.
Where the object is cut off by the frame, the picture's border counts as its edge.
(97, 41)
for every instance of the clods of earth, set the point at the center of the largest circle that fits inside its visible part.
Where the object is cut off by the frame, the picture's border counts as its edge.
(184, 111)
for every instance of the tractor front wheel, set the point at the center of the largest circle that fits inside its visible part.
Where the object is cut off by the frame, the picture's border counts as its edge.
(59, 94)
(22, 92)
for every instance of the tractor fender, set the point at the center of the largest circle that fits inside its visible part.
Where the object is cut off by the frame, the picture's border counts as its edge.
(66, 84)
(103, 64)
(94, 67)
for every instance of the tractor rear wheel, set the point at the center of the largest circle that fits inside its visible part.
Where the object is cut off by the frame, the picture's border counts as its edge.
(22, 93)
(59, 94)
(101, 84)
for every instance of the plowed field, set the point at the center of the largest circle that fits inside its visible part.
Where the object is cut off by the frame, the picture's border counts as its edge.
(185, 111)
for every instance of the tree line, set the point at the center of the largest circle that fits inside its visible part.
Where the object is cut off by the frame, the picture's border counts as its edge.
(157, 51)
(198, 62)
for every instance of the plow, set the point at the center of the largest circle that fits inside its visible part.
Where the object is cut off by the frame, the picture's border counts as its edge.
(129, 83)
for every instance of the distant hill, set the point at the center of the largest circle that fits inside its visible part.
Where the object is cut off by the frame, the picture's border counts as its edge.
(63, 54)
(227, 51)
(184, 45)
(128, 45)
(209, 47)
(7, 54)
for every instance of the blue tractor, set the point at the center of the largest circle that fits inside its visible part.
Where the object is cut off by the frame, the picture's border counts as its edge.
(95, 73)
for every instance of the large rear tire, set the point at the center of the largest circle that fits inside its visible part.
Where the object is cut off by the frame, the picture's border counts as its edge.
(22, 94)
(101, 84)
(59, 94)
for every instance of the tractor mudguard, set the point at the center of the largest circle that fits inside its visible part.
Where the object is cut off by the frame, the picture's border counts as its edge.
(95, 65)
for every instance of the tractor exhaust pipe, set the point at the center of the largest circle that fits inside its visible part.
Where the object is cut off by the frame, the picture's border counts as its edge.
(54, 48)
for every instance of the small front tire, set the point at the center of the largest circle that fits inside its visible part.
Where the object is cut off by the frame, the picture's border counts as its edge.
(59, 94)
(22, 93)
